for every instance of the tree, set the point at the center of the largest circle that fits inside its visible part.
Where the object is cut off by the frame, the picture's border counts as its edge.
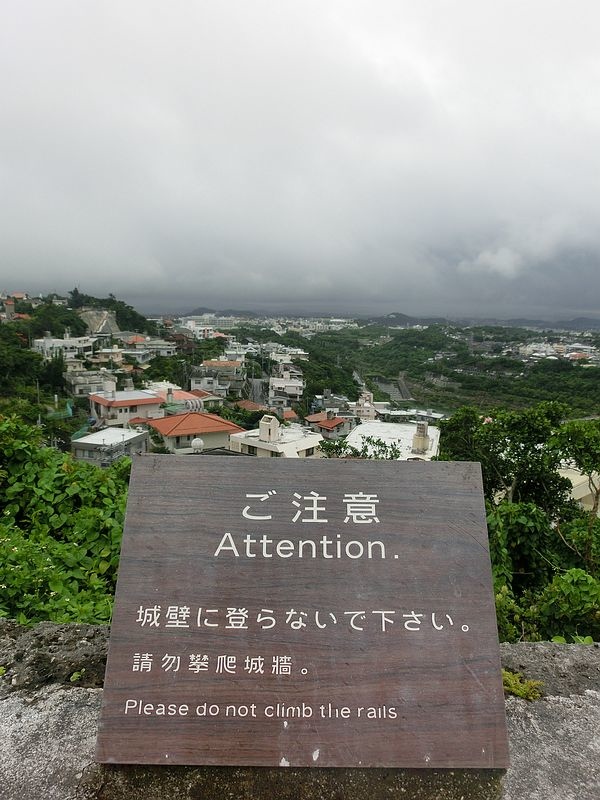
(578, 443)
(56, 319)
(518, 461)
(19, 366)
(371, 448)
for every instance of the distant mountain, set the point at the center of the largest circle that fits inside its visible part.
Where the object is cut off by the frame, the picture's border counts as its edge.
(233, 312)
(576, 324)
(396, 318)
(197, 312)
(580, 324)
(227, 312)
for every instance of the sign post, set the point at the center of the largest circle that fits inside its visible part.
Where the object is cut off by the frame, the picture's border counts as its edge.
(328, 613)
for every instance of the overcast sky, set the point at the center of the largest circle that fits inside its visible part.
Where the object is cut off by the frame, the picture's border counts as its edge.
(386, 155)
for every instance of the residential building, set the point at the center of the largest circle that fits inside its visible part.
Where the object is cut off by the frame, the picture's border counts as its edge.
(69, 347)
(125, 407)
(412, 415)
(285, 390)
(273, 440)
(108, 356)
(179, 432)
(366, 408)
(108, 445)
(250, 405)
(220, 376)
(330, 402)
(331, 426)
(83, 382)
(178, 401)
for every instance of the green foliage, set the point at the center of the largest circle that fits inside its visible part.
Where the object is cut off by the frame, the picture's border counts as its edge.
(371, 448)
(245, 419)
(56, 319)
(518, 461)
(522, 543)
(574, 640)
(516, 618)
(515, 684)
(569, 603)
(545, 552)
(60, 530)
(19, 366)
(51, 374)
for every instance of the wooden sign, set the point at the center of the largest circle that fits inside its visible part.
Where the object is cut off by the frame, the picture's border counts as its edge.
(319, 613)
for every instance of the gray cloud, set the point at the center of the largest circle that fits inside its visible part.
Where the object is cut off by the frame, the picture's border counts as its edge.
(422, 157)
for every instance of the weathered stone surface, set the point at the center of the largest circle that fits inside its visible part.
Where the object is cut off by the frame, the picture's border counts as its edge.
(51, 653)
(48, 729)
(555, 748)
(564, 669)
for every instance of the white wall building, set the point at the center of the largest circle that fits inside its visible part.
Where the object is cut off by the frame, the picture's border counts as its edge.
(272, 440)
(68, 346)
(120, 408)
(108, 445)
(285, 390)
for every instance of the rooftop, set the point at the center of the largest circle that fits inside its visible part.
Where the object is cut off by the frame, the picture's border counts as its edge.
(193, 422)
(109, 436)
(126, 398)
(398, 434)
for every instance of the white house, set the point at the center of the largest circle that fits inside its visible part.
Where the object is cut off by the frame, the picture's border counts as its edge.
(285, 390)
(108, 445)
(121, 408)
(67, 346)
(273, 440)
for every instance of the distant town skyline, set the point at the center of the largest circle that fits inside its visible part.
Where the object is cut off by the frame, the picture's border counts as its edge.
(339, 157)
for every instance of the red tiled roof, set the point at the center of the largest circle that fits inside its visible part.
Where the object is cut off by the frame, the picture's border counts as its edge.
(193, 423)
(138, 421)
(249, 405)
(178, 395)
(201, 393)
(142, 401)
(289, 414)
(214, 363)
(330, 424)
(319, 417)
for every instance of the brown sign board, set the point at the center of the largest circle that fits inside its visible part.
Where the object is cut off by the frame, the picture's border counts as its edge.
(326, 613)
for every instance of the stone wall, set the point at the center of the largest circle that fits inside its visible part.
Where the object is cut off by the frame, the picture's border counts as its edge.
(50, 696)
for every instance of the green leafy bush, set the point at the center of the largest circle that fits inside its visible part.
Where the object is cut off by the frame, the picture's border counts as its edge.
(60, 530)
(570, 603)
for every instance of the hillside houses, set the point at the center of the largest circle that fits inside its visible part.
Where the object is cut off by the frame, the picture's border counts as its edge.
(220, 376)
